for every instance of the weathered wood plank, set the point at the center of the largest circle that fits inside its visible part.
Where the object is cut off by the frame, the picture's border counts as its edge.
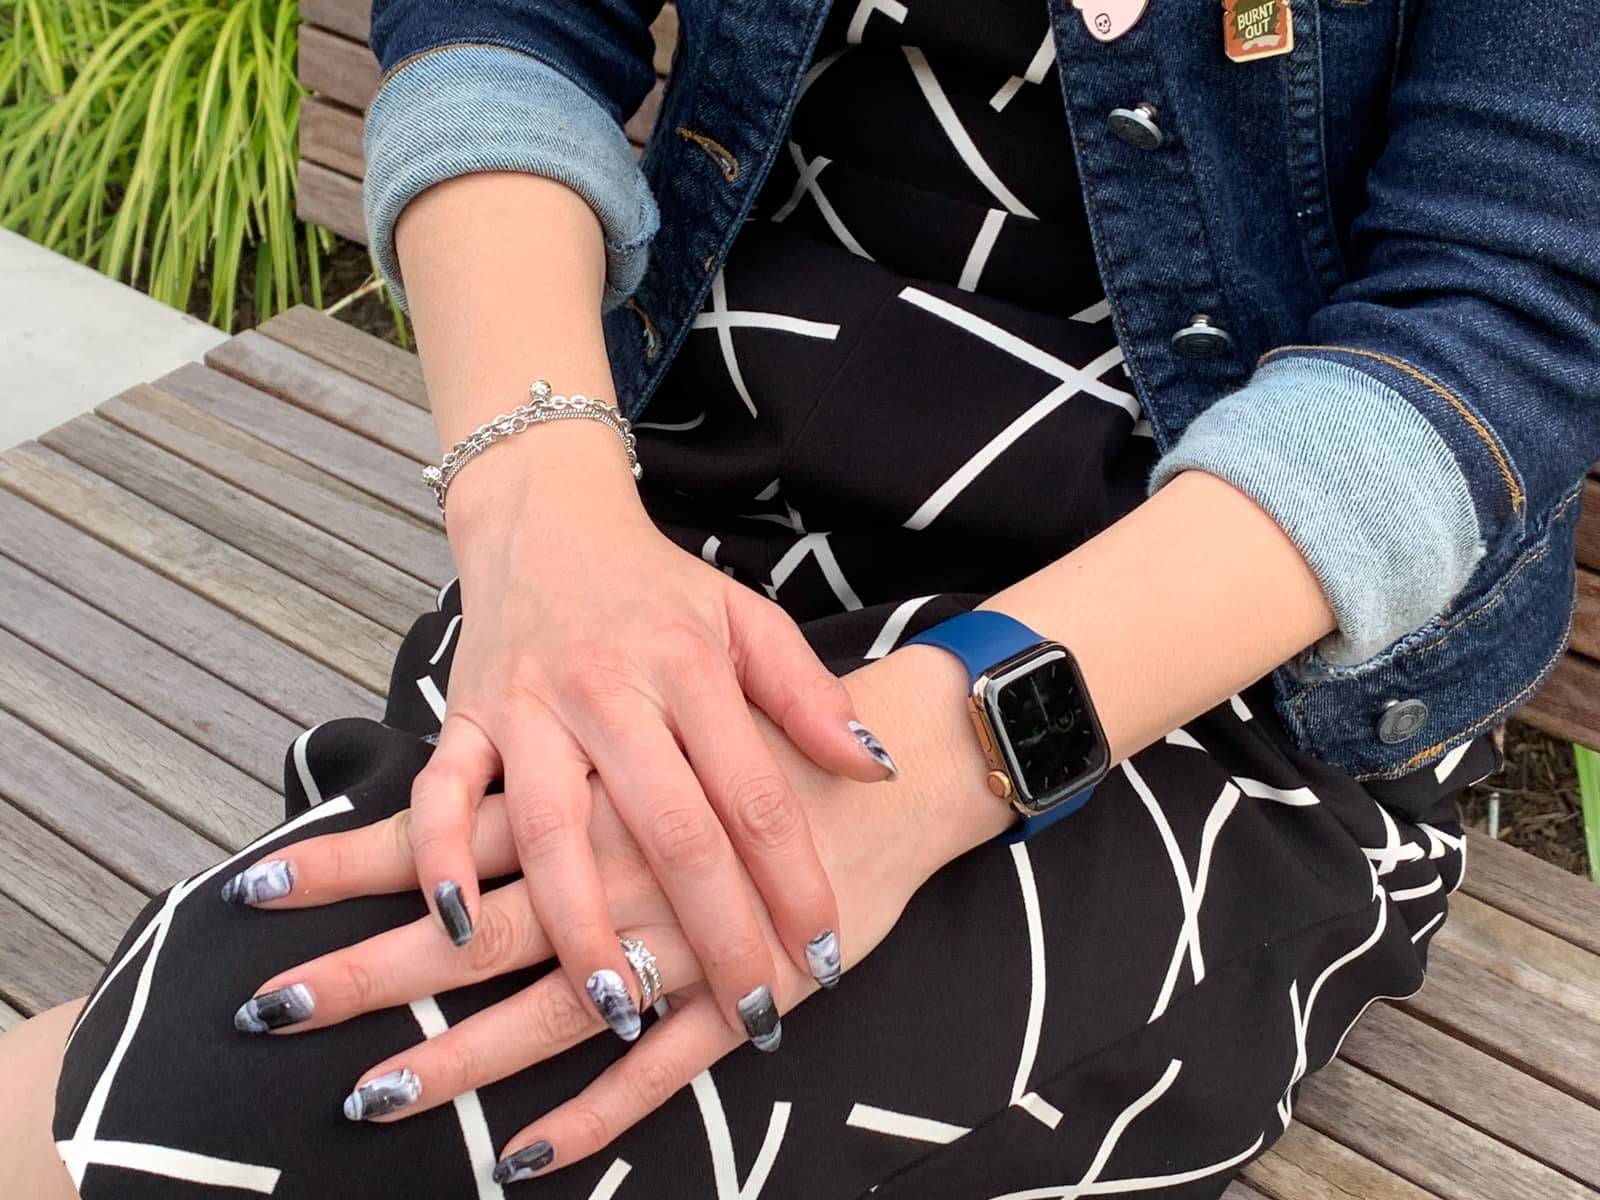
(1586, 618)
(69, 892)
(1422, 1144)
(1565, 705)
(345, 348)
(202, 791)
(300, 615)
(331, 134)
(103, 820)
(340, 68)
(1306, 1165)
(1490, 1095)
(352, 18)
(10, 1018)
(1541, 894)
(1509, 948)
(331, 199)
(1241, 1191)
(376, 470)
(39, 968)
(280, 479)
(337, 569)
(278, 675)
(227, 722)
(1588, 532)
(300, 379)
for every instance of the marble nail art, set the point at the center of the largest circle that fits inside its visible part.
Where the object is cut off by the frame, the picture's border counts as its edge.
(275, 1009)
(822, 956)
(453, 912)
(616, 1007)
(383, 1095)
(514, 1168)
(760, 1017)
(270, 880)
(870, 743)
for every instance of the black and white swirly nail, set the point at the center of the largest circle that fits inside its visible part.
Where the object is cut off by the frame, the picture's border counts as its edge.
(616, 1007)
(453, 912)
(275, 1009)
(870, 743)
(270, 880)
(383, 1095)
(822, 956)
(760, 1017)
(514, 1168)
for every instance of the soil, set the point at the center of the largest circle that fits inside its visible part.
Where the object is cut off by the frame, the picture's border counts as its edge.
(1537, 786)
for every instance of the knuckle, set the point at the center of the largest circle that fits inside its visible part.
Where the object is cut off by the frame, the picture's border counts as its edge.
(589, 1125)
(357, 983)
(742, 953)
(762, 809)
(654, 1081)
(466, 1063)
(540, 826)
(497, 940)
(556, 1017)
(685, 839)
(681, 647)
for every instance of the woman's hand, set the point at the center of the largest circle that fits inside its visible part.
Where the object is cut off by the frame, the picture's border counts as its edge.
(589, 639)
(852, 824)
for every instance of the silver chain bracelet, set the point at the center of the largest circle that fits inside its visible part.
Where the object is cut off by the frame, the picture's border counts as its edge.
(545, 406)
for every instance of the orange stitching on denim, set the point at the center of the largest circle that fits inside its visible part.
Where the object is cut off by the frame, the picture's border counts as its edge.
(652, 336)
(725, 159)
(1438, 388)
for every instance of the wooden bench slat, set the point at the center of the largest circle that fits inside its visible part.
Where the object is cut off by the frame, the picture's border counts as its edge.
(278, 675)
(1565, 705)
(1241, 1191)
(317, 497)
(352, 18)
(1586, 614)
(331, 199)
(199, 789)
(300, 379)
(332, 134)
(1421, 1143)
(300, 615)
(39, 968)
(230, 724)
(1588, 532)
(1306, 1165)
(1538, 892)
(73, 894)
(1486, 1093)
(345, 348)
(1537, 962)
(338, 67)
(10, 1018)
(381, 473)
(89, 810)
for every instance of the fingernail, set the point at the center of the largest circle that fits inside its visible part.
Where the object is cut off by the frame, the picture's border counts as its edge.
(383, 1095)
(870, 743)
(616, 1007)
(271, 880)
(760, 1017)
(822, 956)
(452, 912)
(514, 1168)
(275, 1009)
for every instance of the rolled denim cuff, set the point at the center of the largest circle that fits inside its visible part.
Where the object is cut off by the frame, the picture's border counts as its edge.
(460, 109)
(1360, 481)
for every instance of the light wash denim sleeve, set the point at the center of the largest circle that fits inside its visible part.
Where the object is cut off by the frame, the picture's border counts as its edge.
(464, 108)
(1363, 484)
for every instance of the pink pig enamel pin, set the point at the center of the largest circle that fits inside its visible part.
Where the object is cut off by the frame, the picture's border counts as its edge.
(1110, 19)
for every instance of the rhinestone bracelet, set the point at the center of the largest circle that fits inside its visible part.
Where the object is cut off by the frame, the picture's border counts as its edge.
(543, 407)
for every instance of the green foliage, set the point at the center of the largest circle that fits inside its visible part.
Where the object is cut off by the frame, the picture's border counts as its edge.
(155, 140)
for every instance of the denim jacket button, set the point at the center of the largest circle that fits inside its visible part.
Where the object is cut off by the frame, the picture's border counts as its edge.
(1401, 720)
(1201, 339)
(1137, 126)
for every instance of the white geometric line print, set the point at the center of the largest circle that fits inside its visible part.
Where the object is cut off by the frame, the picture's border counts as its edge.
(444, 642)
(1423, 932)
(1299, 797)
(1393, 852)
(1142, 429)
(1182, 737)
(724, 1172)
(945, 114)
(1041, 1110)
(895, 626)
(768, 492)
(1037, 66)
(435, 698)
(1414, 893)
(672, 426)
(817, 68)
(814, 544)
(709, 553)
(1098, 311)
(982, 245)
(1240, 709)
(807, 182)
(186, 1165)
(1439, 841)
(1034, 920)
(1146, 1183)
(892, 9)
(1442, 768)
(611, 1180)
(722, 319)
(469, 1110)
(302, 768)
(903, 1125)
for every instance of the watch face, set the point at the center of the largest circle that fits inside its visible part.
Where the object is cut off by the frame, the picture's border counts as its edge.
(1053, 741)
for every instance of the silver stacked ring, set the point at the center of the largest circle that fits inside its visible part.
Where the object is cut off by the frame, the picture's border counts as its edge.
(644, 970)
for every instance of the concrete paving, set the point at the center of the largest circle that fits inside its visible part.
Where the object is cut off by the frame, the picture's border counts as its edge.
(70, 338)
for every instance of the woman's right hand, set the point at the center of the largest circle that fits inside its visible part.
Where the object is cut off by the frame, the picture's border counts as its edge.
(590, 641)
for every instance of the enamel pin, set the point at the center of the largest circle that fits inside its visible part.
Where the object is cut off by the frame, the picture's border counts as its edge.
(1110, 19)
(1253, 29)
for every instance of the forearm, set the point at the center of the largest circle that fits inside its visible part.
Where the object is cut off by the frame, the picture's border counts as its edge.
(1192, 596)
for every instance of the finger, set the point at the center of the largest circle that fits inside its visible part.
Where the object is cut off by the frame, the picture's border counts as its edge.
(678, 1047)
(396, 967)
(372, 860)
(538, 1023)
(764, 818)
(785, 679)
(548, 804)
(444, 799)
(688, 850)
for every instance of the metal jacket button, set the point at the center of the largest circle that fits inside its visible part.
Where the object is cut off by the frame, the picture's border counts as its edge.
(1201, 339)
(1137, 126)
(1401, 720)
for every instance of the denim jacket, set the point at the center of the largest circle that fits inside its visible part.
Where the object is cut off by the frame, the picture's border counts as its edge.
(1360, 280)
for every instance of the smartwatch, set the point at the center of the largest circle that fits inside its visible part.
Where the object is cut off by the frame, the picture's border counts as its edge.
(1032, 713)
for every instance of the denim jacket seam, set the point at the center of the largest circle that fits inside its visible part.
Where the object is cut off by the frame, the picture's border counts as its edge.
(487, 44)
